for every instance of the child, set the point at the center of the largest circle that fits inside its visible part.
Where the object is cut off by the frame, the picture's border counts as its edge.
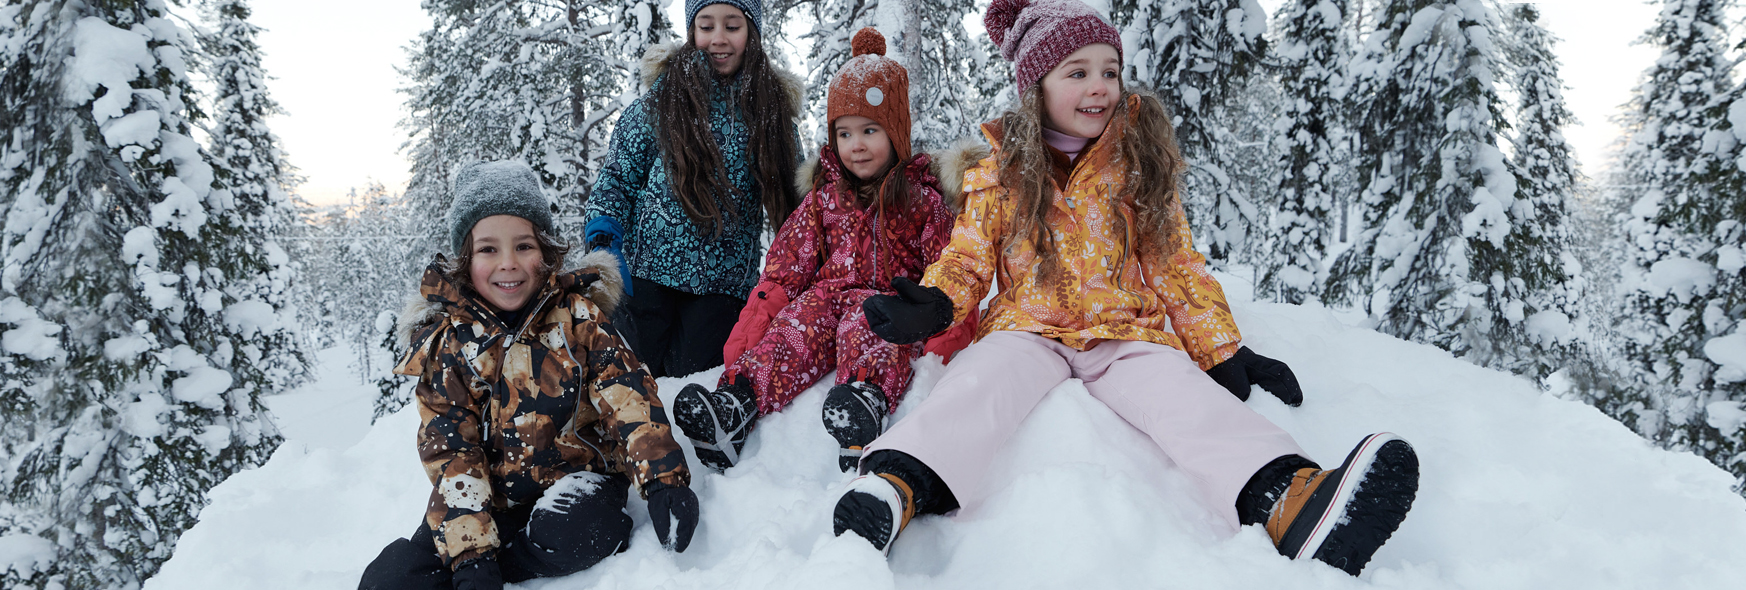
(695, 168)
(853, 233)
(536, 418)
(1076, 214)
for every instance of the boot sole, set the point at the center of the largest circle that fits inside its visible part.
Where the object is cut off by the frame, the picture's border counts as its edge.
(1378, 483)
(702, 424)
(845, 417)
(868, 516)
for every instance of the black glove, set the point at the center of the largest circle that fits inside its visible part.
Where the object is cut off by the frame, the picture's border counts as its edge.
(911, 316)
(599, 240)
(680, 504)
(1246, 367)
(479, 574)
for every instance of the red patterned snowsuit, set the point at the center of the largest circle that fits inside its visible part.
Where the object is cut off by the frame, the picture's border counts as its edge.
(834, 255)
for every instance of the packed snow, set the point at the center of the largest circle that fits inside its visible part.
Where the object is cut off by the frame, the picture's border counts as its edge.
(1520, 489)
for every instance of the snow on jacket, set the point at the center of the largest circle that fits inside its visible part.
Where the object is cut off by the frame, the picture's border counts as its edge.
(1177, 303)
(508, 410)
(660, 241)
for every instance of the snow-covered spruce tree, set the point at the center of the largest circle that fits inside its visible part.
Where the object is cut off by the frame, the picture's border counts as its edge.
(127, 394)
(1192, 53)
(826, 46)
(1543, 327)
(605, 73)
(1311, 60)
(1432, 263)
(1681, 286)
(954, 77)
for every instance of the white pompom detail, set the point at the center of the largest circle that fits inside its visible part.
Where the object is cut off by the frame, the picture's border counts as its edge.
(875, 96)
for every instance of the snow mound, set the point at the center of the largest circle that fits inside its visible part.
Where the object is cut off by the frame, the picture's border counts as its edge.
(1519, 490)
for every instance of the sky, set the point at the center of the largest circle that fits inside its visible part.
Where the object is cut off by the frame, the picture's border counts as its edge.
(336, 79)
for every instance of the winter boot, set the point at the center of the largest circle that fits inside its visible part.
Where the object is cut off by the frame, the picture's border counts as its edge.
(1342, 516)
(876, 507)
(854, 413)
(717, 422)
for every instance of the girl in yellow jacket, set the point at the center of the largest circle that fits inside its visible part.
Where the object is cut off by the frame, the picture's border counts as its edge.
(1076, 215)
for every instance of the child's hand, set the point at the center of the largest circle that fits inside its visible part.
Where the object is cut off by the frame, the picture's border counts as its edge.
(1246, 367)
(479, 574)
(674, 508)
(914, 314)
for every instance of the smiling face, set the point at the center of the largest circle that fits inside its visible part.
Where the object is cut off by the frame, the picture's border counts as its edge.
(1080, 93)
(506, 268)
(863, 146)
(720, 31)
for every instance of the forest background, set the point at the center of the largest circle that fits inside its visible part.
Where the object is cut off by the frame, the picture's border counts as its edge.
(1402, 158)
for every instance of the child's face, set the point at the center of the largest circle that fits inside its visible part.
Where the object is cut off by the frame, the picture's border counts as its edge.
(1078, 95)
(720, 30)
(506, 261)
(863, 146)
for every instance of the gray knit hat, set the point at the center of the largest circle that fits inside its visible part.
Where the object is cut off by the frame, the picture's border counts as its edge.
(483, 189)
(754, 10)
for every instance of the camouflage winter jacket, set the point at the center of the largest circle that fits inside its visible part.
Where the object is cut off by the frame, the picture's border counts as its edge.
(508, 410)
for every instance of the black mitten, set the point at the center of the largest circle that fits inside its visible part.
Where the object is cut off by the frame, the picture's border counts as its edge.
(479, 574)
(679, 504)
(911, 316)
(1246, 367)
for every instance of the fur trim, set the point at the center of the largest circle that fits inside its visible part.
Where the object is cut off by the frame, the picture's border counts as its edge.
(953, 163)
(796, 89)
(415, 314)
(607, 292)
(654, 62)
(806, 174)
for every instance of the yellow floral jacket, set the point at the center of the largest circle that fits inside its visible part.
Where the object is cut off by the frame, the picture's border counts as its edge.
(1176, 304)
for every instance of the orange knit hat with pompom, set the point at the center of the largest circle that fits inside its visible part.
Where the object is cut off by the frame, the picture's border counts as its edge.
(873, 86)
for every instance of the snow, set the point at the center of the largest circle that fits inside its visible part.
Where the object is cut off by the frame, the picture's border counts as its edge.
(202, 386)
(1520, 489)
(249, 318)
(107, 57)
(1729, 352)
(30, 335)
(1680, 276)
(25, 554)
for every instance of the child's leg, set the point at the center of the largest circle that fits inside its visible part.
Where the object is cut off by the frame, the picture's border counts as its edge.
(793, 354)
(703, 325)
(578, 522)
(864, 356)
(1211, 434)
(646, 323)
(977, 405)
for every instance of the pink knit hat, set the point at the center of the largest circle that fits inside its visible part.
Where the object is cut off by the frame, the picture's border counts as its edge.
(1035, 35)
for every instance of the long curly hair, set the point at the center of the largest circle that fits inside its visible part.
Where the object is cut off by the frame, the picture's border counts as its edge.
(694, 161)
(1146, 152)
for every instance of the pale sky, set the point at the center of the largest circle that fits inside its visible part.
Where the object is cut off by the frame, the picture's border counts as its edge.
(333, 67)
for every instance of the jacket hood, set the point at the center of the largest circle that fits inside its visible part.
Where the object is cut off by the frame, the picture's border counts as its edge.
(655, 60)
(594, 275)
(964, 154)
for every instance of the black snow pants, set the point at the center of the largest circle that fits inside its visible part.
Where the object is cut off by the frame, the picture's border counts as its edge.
(676, 333)
(557, 536)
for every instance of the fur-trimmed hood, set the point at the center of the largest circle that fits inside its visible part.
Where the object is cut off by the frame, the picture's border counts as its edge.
(654, 65)
(964, 154)
(594, 275)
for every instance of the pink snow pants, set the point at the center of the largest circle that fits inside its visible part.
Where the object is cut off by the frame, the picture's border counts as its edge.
(992, 385)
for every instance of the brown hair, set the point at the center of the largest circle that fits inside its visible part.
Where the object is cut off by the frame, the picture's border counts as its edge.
(552, 252)
(894, 186)
(1146, 152)
(694, 161)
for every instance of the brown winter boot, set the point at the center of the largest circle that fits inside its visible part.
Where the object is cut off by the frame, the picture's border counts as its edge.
(1342, 516)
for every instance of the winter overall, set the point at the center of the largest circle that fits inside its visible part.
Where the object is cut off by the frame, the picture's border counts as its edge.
(532, 434)
(1139, 334)
(688, 284)
(834, 254)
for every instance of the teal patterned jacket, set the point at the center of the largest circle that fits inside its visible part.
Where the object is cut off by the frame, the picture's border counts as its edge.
(660, 243)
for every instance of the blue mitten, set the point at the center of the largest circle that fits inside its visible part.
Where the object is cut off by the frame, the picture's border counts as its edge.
(605, 232)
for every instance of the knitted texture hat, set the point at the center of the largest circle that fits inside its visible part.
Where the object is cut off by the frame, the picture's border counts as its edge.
(873, 86)
(754, 10)
(1035, 35)
(483, 189)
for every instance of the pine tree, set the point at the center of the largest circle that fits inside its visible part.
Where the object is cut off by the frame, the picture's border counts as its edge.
(1682, 293)
(1542, 325)
(1312, 57)
(955, 79)
(127, 391)
(1192, 53)
(834, 22)
(1432, 264)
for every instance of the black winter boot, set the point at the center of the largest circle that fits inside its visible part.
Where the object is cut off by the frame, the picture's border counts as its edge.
(717, 422)
(854, 413)
(1341, 516)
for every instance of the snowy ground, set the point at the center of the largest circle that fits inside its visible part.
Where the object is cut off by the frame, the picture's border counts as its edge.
(1519, 490)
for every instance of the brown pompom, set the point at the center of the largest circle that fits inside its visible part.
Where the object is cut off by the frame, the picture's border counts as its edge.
(867, 41)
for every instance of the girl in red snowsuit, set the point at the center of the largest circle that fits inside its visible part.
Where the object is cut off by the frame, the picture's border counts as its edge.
(872, 212)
